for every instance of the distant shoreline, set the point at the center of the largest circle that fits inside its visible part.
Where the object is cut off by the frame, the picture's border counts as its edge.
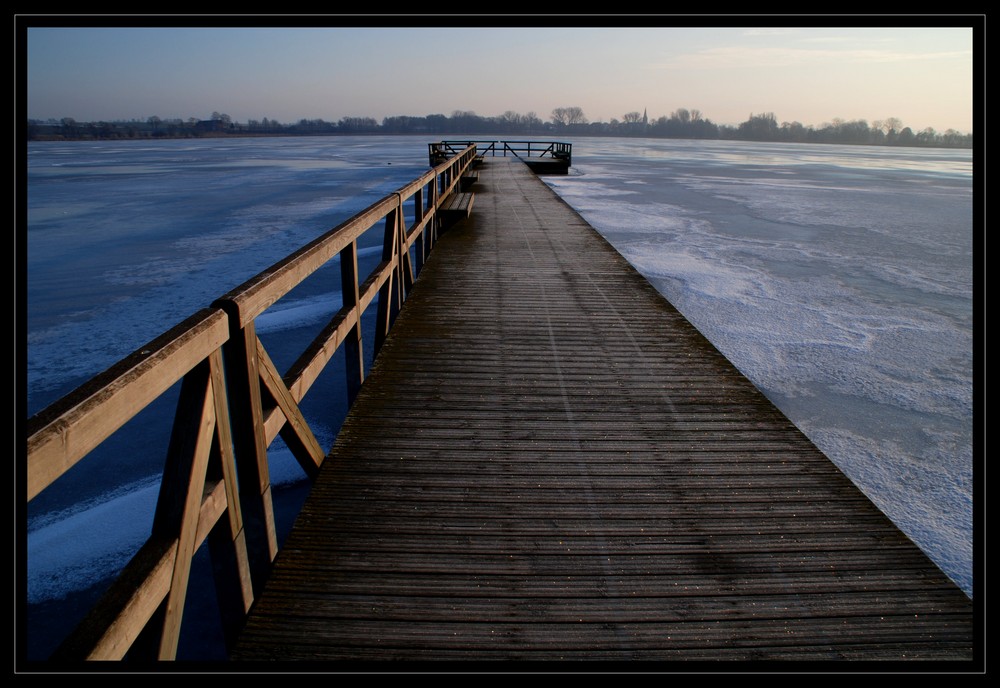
(472, 137)
(681, 124)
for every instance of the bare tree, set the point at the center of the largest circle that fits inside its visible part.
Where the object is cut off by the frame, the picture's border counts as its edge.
(510, 118)
(889, 125)
(530, 119)
(681, 115)
(569, 115)
(632, 117)
(69, 126)
(576, 115)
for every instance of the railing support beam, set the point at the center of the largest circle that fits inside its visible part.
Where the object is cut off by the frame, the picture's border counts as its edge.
(243, 389)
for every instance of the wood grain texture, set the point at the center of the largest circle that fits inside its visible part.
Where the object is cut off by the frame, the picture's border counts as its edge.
(548, 462)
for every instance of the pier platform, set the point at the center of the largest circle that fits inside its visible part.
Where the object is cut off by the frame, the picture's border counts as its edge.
(548, 462)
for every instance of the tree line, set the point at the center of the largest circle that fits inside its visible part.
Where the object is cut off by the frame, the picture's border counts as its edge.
(563, 121)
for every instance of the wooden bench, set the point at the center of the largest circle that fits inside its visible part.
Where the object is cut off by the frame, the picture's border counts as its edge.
(468, 179)
(455, 208)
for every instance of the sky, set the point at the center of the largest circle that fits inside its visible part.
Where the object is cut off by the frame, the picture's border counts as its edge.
(925, 76)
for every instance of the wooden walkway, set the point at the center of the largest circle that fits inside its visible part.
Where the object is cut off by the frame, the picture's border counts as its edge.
(548, 462)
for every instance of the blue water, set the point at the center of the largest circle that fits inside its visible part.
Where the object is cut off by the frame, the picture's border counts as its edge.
(838, 279)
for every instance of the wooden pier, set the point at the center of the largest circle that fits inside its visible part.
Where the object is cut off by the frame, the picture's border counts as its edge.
(548, 462)
(545, 462)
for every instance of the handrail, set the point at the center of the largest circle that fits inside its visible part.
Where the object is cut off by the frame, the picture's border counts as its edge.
(440, 150)
(233, 403)
(198, 487)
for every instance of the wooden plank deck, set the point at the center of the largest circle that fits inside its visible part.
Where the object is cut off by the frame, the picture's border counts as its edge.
(548, 462)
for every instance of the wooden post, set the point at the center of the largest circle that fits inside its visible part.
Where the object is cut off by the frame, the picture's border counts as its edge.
(243, 389)
(353, 349)
(432, 230)
(405, 262)
(418, 216)
(179, 505)
(227, 540)
(388, 295)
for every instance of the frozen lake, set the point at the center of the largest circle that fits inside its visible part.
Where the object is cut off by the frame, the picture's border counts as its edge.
(838, 279)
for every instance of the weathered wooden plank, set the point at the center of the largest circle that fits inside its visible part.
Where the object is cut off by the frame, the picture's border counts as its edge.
(456, 207)
(226, 540)
(65, 432)
(178, 508)
(759, 639)
(254, 296)
(669, 591)
(340, 330)
(110, 628)
(547, 461)
(250, 450)
(597, 609)
(295, 430)
(469, 180)
(354, 360)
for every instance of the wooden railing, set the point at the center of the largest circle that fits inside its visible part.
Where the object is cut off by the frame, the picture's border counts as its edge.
(233, 403)
(442, 150)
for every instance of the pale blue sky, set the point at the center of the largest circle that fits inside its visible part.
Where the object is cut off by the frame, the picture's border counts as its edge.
(813, 75)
